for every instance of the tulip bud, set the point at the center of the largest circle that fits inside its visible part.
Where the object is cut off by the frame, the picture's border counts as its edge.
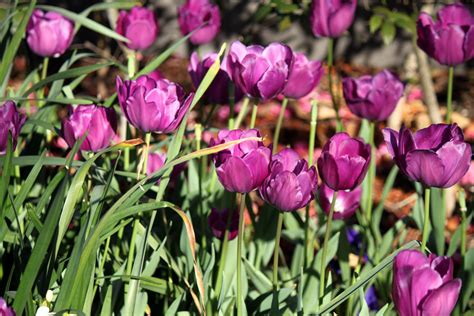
(49, 34)
(11, 121)
(423, 286)
(139, 26)
(4, 309)
(243, 167)
(449, 40)
(218, 91)
(196, 13)
(218, 223)
(436, 156)
(303, 78)
(343, 162)
(346, 203)
(260, 72)
(331, 18)
(373, 98)
(291, 184)
(153, 105)
(99, 122)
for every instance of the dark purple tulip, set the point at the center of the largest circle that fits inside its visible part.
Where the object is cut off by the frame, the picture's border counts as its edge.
(449, 40)
(436, 156)
(11, 121)
(423, 286)
(291, 184)
(49, 34)
(218, 222)
(218, 91)
(260, 72)
(4, 309)
(331, 18)
(243, 167)
(346, 204)
(196, 13)
(373, 97)
(152, 105)
(371, 298)
(99, 122)
(139, 26)
(304, 76)
(343, 162)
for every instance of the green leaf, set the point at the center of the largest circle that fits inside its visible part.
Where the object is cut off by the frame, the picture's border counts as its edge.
(388, 32)
(60, 101)
(364, 311)
(375, 23)
(6, 173)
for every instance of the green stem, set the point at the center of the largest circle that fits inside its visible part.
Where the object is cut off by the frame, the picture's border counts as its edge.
(330, 61)
(426, 220)
(463, 209)
(44, 71)
(239, 254)
(254, 115)
(145, 152)
(131, 64)
(276, 251)
(279, 123)
(325, 248)
(131, 251)
(312, 139)
(242, 112)
(231, 105)
(225, 246)
(198, 133)
(370, 180)
(450, 95)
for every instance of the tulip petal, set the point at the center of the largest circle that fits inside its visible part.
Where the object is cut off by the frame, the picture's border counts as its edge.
(342, 19)
(235, 176)
(391, 140)
(442, 300)
(456, 158)
(257, 162)
(426, 167)
(422, 281)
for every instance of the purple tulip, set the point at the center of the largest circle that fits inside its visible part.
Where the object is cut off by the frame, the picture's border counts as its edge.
(153, 105)
(260, 72)
(139, 26)
(423, 286)
(218, 91)
(49, 34)
(196, 13)
(243, 167)
(218, 222)
(449, 40)
(346, 203)
(155, 162)
(99, 122)
(304, 76)
(11, 121)
(343, 162)
(4, 309)
(291, 184)
(373, 97)
(436, 156)
(331, 18)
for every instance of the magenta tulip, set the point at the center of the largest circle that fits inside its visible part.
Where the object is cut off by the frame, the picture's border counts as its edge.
(346, 203)
(218, 222)
(201, 14)
(331, 18)
(49, 34)
(11, 122)
(5, 310)
(304, 76)
(436, 156)
(139, 26)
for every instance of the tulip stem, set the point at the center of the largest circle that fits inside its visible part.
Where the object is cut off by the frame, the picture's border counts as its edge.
(276, 251)
(231, 88)
(426, 221)
(450, 94)
(370, 180)
(254, 115)
(325, 248)
(330, 61)
(132, 64)
(242, 113)
(239, 254)
(145, 152)
(279, 123)
(44, 71)
(312, 139)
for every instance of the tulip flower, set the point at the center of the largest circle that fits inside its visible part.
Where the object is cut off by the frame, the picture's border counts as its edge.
(467, 181)
(436, 156)
(449, 40)
(139, 26)
(260, 72)
(99, 122)
(291, 184)
(218, 91)
(346, 203)
(153, 105)
(423, 285)
(11, 122)
(331, 18)
(4, 309)
(304, 76)
(49, 34)
(199, 13)
(243, 167)
(343, 162)
(155, 162)
(218, 223)
(373, 97)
